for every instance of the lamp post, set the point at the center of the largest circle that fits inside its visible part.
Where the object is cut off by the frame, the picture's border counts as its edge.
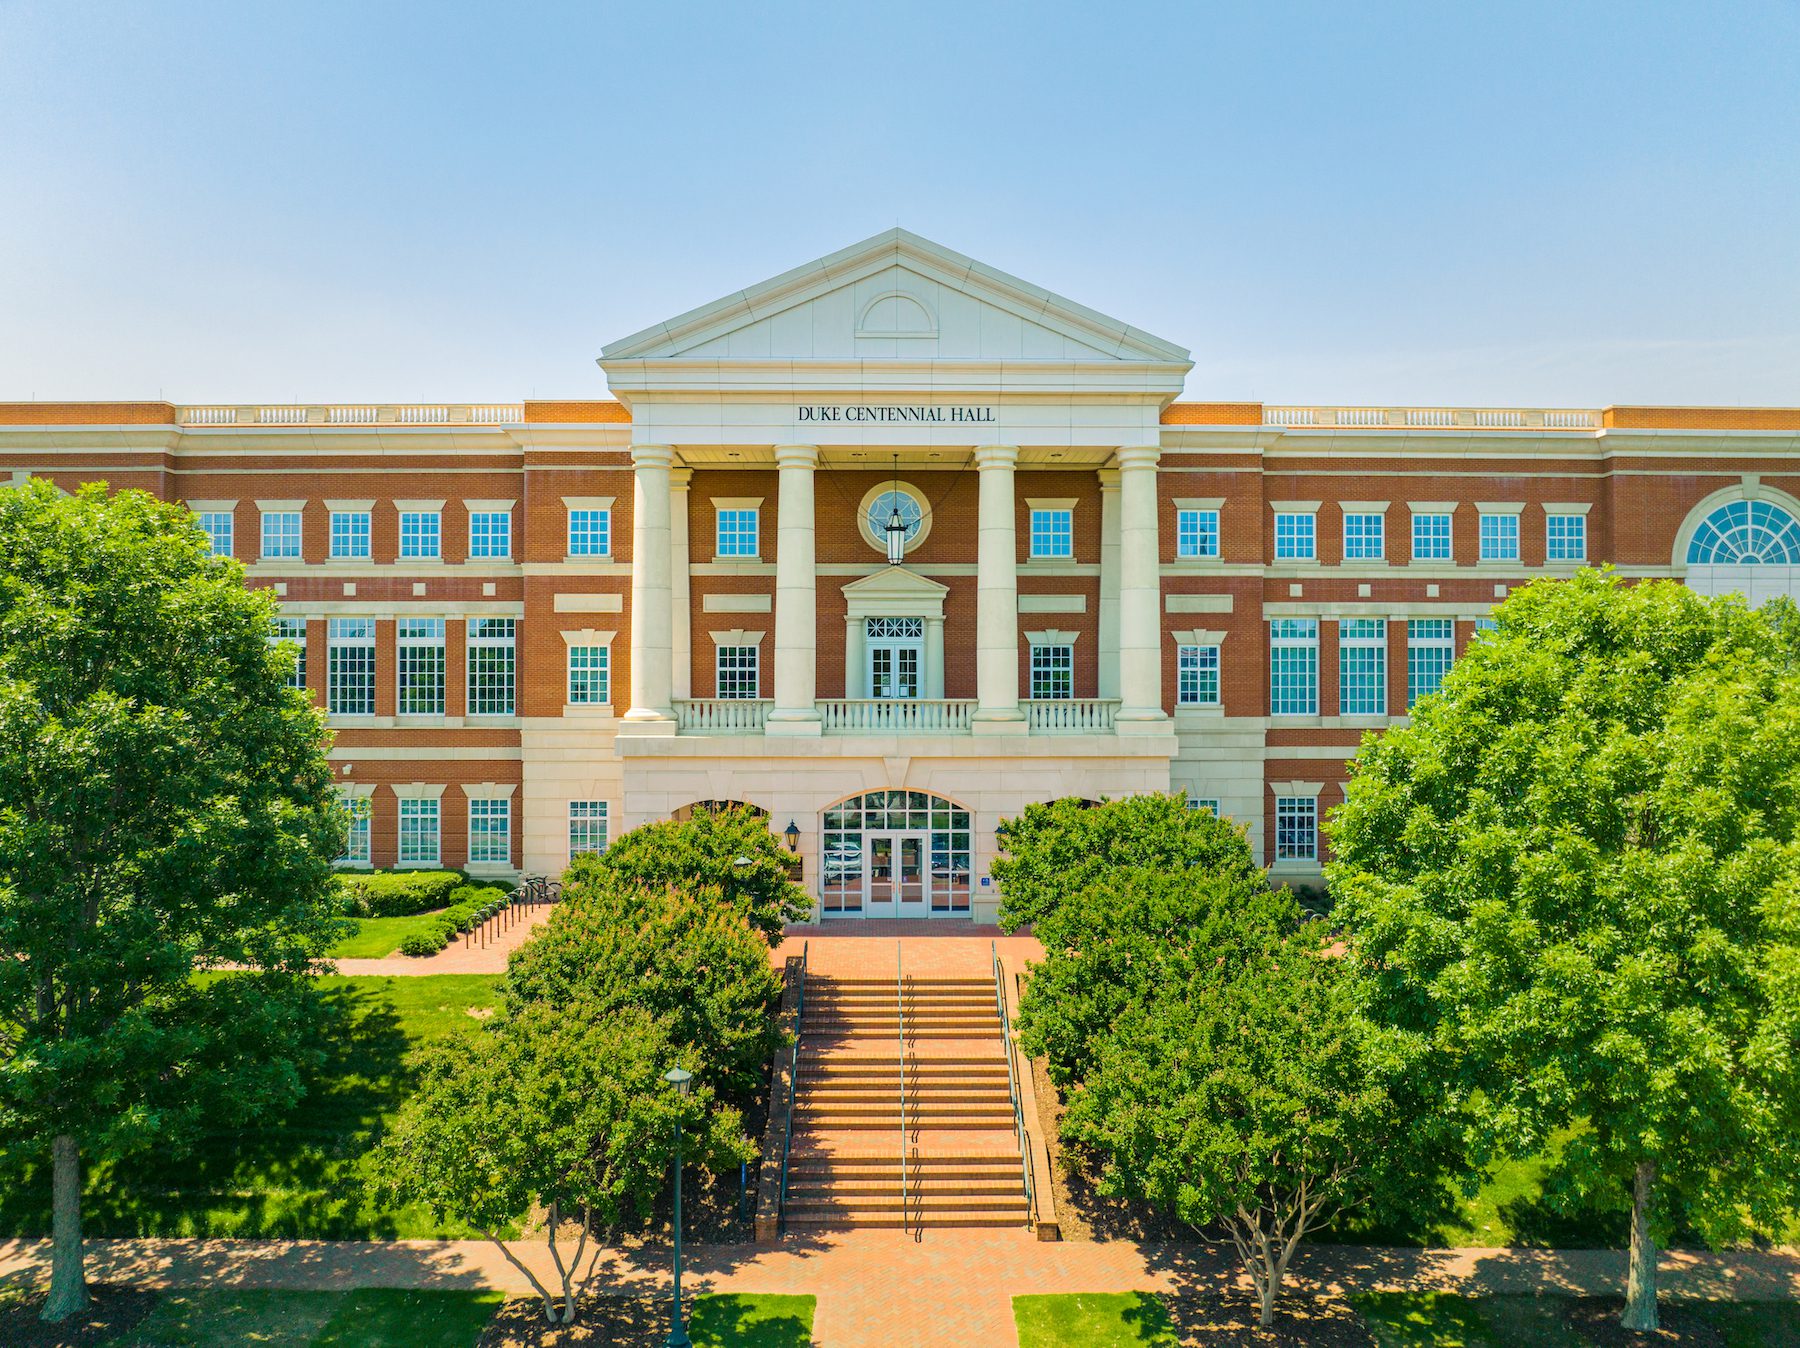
(682, 1081)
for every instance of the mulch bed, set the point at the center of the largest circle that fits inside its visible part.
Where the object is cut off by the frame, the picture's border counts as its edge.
(112, 1312)
(1596, 1319)
(604, 1320)
(1207, 1321)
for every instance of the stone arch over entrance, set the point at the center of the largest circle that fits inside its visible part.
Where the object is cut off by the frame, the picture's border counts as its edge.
(896, 853)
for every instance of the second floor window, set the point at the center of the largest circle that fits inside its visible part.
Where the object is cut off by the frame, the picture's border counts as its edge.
(350, 666)
(1294, 667)
(1363, 537)
(1197, 676)
(1430, 649)
(1295, 537)
(420, 534)
(1053, 533)
(419, 660)
(1362, 667)
(280, 534)
(1196, 533)
(491, 666)
(1499, 538)
(216, 525)
(590, 533)
(349, 533)
(1565, 538)
(1053, 671)
(490, 533)
(1431, 538)
(589, 676)
(737, 533)
(293, 632)
(739, 672)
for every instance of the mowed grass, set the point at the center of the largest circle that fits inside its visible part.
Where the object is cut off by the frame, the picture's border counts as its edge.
(373, 938)
(1093, 1320)
(366, 1318)
(763, 1321)
(300, 1175)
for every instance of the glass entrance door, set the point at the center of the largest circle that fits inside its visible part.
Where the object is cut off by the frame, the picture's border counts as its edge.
(896, 648)
(896, 874)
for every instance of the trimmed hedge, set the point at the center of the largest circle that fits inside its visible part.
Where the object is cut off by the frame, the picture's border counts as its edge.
(399, 893)
(475, 904)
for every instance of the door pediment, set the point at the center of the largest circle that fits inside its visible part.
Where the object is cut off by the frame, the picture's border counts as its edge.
(895, 592)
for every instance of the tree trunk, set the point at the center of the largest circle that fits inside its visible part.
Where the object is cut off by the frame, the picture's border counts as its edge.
(1640, 1285)
(68, 1282)
(1271, 1287)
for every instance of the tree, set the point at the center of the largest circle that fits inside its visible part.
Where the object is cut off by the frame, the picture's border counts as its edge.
(1572, 882)
(561, 1109)
(728, 851)
(165, 806)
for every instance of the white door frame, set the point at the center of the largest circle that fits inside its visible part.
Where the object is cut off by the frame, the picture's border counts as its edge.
(908, 853)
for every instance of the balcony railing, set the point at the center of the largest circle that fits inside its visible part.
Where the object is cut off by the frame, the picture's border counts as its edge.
(1070, 715)
(897, 715)
(355, 414)
(1478, 418)
(721, 716)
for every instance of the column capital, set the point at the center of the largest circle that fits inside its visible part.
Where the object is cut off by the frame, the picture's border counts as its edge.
(996, 456)
(1139, 456)
(652, 456)
(1109, 478)
(797, 456)
(680, 477)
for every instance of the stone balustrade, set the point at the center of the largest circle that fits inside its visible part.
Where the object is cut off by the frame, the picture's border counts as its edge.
(1070, 715)
(1428, 418)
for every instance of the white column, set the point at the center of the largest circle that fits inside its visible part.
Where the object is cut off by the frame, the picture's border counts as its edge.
(682, 646)
(1109, 582)
(1140, 591)
(856, 657)
(796, 597)
(997, 596)
(934, 657)
(652, 627)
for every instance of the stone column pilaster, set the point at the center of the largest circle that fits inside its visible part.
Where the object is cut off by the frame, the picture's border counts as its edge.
(997, 596)
(856, 658)
(1109, 582)
(652, 626)
(680, 601)
(934, 657)
(796, 597)
(1140, 591)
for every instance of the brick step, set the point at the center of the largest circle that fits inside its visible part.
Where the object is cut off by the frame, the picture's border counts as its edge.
(908, 981)
(873, 1123)
(1005, 1175)
(972, 1000)
(921, 1090)
(914, 1201)
(885, 1061)
(938, 1027)
(880, 1193)
(903, 1221)
(927, 1162)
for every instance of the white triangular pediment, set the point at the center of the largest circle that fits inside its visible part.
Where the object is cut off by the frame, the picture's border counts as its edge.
(896, 297)
(895, 592)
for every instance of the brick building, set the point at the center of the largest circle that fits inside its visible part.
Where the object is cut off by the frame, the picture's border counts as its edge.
(536, 625)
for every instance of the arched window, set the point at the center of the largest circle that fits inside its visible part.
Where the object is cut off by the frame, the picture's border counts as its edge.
(880, 845)
(1746, 533)
(687, 812)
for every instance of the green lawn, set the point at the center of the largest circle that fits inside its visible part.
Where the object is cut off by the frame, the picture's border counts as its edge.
(765, 1321)
(299, 1175)
(1093, 1320)
(374, 938)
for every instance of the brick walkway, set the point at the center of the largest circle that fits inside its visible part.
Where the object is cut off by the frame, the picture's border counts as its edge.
(454, 958)
(882, 1288)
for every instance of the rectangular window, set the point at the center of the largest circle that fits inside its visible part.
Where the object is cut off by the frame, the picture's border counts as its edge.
(356, 835)
(293, 631)
(1364, 537)
(349, 533)
(1430, 649)
(217, 526)
(1203, 803)
(350, 667)
(1052, 671)
(280, 534)
(590, 675)
(1487, 627)
(1295, 537)
(419, 838)
(1196, 533)
(490, 832)
(419, 660)
(737, 533)
(1431, 538)
(1499, 538)
(587, 827)
(590, 533)
(1053, 533)
(1197, 676)
(490, 533)
(420, 533)
(492, 660)
(1362, 667)
(739, 675)
(1294, 667)
(1565, 538)
(1296, 828)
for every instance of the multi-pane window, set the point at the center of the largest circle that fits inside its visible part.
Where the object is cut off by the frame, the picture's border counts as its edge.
(737, 532)
(739, 674)
(217, 526)
(1052, 533)
(1203, 803)
(1362, 667)
(587, 827)
(1486, 627)
(280, 534)
(490, 533)
(350, 666)
(1364, 537)
(1565, 538)
(491, 666)
(419, 833)
(490, 832)
(1294, 667)
(1499, 538)
(1052, 671)
(421, 533)
(419, 661)
(1295, 535)
(292, 630)
(1196, 533)
(590, 533)
(356, 829)
(1430, 649)
(1197, 676)
(349, 533)
(590, 681)
(1431, 538)
(1296, 828)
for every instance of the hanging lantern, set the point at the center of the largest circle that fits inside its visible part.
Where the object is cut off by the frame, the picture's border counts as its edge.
(896, 538)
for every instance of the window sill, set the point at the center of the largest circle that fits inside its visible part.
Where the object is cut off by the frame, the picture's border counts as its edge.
(587, 558)
(1049, 561)
(722, 560)
(588, 711)
(1198, 562)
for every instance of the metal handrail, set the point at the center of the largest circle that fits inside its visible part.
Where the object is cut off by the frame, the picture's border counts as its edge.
(787, 1140)
(1020, 1133)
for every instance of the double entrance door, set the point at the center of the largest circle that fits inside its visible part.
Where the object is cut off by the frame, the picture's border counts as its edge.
(897, 876)
(896, 648)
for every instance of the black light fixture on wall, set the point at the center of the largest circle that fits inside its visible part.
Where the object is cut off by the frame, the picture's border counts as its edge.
(896, 527)
(792, 834)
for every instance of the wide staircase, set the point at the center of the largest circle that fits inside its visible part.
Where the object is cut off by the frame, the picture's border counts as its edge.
(904, 1110)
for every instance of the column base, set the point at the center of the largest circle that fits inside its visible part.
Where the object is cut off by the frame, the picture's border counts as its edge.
(1141, 721)
(645, 721)
(796, 722)
(999, 722)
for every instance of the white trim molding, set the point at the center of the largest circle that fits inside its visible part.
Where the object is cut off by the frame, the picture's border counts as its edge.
(589, 636)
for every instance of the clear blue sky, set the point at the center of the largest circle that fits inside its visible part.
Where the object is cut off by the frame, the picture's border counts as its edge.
(1565, 203)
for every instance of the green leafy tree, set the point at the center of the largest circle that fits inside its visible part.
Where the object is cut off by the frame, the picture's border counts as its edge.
(165, 806)
(558, 1111)
(729, 852)
(1572, 882)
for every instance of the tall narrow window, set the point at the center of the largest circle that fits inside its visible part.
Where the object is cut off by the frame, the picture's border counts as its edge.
(217, 526)
(1295, 536)
(590, 533)
(587, 827)
(419, 833)
(1052, 671)
(737, 532)
(1296, 828)
(1499, 538)
(356, 829)
(1053, 533)
(293, 632)
(349, 533)
(1565, 538)
(280, 535)
(419, 661)
(1196, 533)
(1362, 667)
(589, 676)
(1431, 538)
(739, 675)
(1364, 537)
(490, 533)
(1430, 649)
(350, 667)
(1197, 676)
(1294, 667)
(491, 666)
(490, 832)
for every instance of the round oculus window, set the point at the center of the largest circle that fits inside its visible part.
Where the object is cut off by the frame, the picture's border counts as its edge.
(879, 508)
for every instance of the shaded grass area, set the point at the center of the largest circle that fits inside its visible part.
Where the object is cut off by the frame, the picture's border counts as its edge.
(373, 938)
(299, 1175)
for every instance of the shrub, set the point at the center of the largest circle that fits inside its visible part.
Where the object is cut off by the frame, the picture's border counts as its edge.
(476, 896)
(425, 942)
(729, 852)
(401, 893)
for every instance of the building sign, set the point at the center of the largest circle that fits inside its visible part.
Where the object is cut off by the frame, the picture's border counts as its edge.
(889, 412)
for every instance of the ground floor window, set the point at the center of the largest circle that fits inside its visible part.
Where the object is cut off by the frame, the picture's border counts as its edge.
(587, 827)
(896, 854)
(490, 832)
(356, 838)
(1296, 828)
(419, 836)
